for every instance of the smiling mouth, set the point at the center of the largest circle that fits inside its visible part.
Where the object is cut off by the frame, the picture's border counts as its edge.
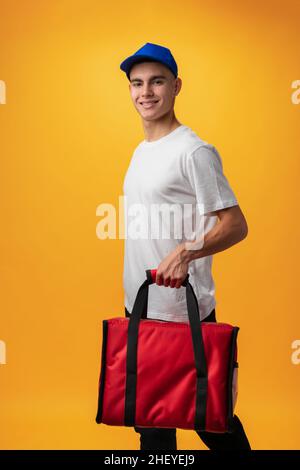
(149, 104)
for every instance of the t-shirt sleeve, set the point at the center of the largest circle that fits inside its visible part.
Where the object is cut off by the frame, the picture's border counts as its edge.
(205, 174)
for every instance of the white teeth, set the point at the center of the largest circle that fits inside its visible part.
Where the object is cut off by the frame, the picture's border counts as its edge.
(148, 105)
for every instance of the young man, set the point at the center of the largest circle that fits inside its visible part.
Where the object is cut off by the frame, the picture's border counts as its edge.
(173, 166)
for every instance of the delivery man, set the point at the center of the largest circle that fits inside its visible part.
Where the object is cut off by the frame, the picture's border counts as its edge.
(174, 167)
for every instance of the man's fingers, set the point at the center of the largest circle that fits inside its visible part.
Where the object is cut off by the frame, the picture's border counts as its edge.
(168, 282)
(161, 281)
(176, 283)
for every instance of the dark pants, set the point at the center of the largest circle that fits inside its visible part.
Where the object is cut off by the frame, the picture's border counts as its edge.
(165, 439)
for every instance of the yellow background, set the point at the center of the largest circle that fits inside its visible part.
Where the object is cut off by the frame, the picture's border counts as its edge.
(68, 131)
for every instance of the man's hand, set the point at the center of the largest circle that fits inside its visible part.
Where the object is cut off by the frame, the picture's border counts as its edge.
(173, 269)
(231, 229)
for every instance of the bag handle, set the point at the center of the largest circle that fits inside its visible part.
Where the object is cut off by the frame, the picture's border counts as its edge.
(140, 311)
(151, 276)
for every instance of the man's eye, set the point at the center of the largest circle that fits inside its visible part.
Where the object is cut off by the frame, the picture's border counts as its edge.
(155, 81)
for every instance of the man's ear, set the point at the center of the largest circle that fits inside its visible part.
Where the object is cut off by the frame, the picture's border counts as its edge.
(178, 85)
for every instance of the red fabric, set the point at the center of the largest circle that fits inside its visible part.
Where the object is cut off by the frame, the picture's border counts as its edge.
(166, 380)
(153, 275)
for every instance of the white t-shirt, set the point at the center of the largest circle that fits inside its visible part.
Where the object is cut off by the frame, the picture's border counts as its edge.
(179, 168)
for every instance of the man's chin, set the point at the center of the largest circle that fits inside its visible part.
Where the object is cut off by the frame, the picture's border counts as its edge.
(154, 115)
(149, 118)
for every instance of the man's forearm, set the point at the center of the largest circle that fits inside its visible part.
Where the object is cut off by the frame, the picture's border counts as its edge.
(219, 238)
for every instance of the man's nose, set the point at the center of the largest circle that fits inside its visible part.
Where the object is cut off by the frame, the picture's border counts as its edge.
(147, 90)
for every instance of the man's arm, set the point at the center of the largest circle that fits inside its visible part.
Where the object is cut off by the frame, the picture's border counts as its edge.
(231, 229)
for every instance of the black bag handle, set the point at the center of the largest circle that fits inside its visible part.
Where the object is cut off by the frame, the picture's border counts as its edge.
(140, 311)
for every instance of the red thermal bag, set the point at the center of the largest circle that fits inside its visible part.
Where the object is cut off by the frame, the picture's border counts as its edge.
(161, 374)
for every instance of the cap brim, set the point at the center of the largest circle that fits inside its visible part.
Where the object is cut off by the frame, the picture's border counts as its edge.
(130, 61)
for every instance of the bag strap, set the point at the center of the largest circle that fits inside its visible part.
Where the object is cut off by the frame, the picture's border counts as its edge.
(140, 311)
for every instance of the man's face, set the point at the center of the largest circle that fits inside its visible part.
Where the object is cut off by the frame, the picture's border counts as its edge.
(153, 88)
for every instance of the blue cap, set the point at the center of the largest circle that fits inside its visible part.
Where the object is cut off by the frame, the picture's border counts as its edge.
(150, 52)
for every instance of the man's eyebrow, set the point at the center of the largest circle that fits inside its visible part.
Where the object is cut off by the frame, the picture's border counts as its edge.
(154, 77)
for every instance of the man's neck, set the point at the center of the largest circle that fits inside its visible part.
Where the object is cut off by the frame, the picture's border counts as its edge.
(155, 130)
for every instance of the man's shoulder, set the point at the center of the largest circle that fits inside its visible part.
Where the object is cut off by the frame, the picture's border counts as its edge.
(191, 141)
(185, 143)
